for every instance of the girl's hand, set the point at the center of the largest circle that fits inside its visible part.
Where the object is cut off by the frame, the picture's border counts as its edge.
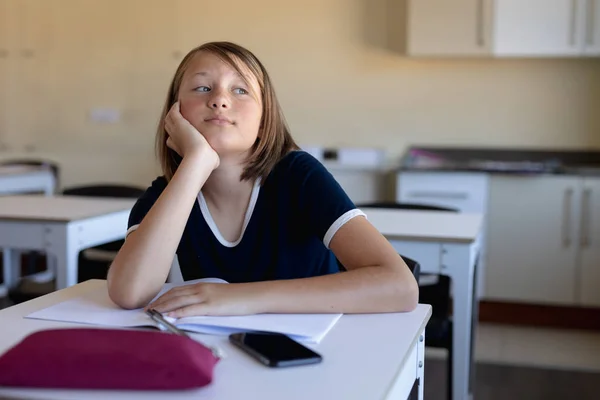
(206, 299)
(185, 139)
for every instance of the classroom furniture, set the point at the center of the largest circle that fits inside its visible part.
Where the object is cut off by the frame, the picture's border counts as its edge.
(447, 244)
(26, 176)
(61, 226)
(433, 290)
(19, 177)
(365, 356)
(95, 261)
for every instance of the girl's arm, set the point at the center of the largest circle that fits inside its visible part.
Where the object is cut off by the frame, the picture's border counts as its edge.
(377, 280)
(140, 269)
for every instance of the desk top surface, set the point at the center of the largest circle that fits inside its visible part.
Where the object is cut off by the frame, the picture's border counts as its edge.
(59, 208)
(362, 356)
(432, 226)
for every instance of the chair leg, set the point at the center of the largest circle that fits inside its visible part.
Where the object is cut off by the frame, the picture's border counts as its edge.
(449, 368)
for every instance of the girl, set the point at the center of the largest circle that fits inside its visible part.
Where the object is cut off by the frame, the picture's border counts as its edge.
(239, 201)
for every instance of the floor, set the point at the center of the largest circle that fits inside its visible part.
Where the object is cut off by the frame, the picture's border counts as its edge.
(509, 382)
(530, 346)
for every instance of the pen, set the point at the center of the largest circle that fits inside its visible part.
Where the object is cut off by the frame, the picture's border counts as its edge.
(163, 323)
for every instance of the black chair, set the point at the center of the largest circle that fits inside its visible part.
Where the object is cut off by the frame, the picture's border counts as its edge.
(414, 266)
(93, 263)
(434, 290)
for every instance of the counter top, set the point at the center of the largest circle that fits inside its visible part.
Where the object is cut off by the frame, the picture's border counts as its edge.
(516, 161)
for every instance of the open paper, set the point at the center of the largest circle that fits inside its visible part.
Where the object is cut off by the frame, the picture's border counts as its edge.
(96, 308)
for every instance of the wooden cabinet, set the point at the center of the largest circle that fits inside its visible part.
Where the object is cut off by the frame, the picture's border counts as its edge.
(497, 28)
(3, 73)
(589, 259)
(441, 27)
(93, 58)
(541, 234)
(6, 36)
(28, 72)
(592, 28)
(533, 239)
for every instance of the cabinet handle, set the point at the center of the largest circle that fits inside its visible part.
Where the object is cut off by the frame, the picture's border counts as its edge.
(573, 22)
(591, 9)
(440, 195)
(586, 216)
(480, 23)
(567, 217)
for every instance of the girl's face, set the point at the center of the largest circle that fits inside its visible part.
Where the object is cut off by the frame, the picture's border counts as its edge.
(215, 100)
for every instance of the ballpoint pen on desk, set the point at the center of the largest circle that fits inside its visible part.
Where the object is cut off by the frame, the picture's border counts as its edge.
(163, 324)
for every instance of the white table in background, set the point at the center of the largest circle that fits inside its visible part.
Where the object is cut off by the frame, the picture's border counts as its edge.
(61, 226)
(447, 244)
(19, 179)
(368, 356)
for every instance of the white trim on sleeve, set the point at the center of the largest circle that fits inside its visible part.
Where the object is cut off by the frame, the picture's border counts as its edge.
(133, 228)
(347, 216)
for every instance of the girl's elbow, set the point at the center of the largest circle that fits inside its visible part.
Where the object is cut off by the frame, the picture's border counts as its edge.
(409, 294)
(124, 300)
(122, 295)
(412, 296)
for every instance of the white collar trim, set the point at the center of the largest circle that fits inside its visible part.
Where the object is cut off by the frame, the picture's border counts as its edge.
(213, 226)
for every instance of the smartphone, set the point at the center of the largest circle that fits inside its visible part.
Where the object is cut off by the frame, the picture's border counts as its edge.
(274, 349)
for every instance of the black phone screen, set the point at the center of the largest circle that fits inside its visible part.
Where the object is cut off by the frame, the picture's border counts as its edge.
(274, 349)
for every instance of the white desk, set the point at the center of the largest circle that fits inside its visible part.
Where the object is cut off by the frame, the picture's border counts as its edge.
(372, 356)
(15, 179)
(447, 244)
(60, 225)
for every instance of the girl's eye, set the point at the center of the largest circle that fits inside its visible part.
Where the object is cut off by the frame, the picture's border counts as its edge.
(202, 89)
(240, 91)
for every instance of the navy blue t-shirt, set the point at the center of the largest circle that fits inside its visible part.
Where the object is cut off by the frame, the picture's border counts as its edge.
(289, 223)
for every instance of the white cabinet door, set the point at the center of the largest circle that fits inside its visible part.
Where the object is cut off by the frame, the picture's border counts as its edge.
(533, 239)
(539, 27)
(592, 28)
(442, 27)
(589, 278)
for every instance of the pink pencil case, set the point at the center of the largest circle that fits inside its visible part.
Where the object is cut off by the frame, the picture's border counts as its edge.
(89, 358)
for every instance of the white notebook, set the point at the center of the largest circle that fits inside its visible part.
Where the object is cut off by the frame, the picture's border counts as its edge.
(96, 308)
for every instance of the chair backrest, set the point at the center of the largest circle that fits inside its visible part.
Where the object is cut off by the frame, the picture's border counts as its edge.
(52, 166)
(438, 294)
(105, 190)
(407, 206)
(414, 266)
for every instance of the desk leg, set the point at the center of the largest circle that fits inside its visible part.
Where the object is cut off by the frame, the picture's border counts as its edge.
(11, 270)
(421, 364)
(458, 262)
(62, 244)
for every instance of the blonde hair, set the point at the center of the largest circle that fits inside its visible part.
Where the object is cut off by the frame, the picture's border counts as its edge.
(274, 139)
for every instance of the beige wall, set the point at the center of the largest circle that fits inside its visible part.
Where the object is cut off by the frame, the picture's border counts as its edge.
(338, 84)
